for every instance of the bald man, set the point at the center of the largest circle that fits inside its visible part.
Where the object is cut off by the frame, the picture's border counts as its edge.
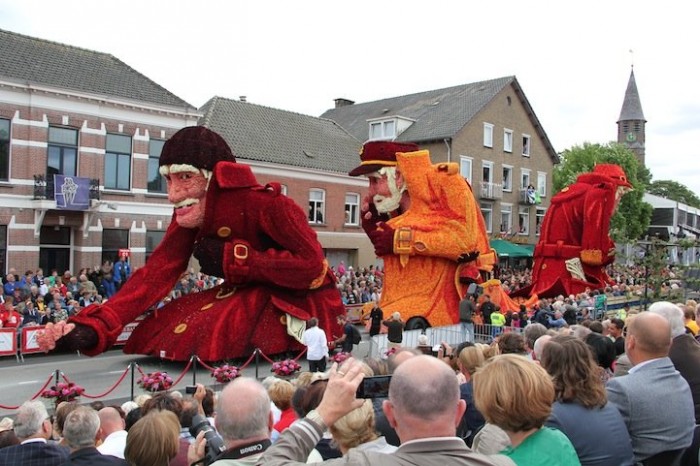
(244, 421)
(654, 399)
(425, 423)
(112, 432)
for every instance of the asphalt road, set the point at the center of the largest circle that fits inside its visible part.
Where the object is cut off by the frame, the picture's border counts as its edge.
(20, 381)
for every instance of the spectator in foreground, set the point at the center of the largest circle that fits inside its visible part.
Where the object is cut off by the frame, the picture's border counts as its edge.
(33, 428)
(654, 399)
(356, 430)
(112, 432)
(516, 395)
(424, 422)
(244, 419)
(581, 409)
(469, 360)
(80, 433)
(153, 440)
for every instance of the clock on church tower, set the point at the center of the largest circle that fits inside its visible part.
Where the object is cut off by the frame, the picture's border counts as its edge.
(631, 136)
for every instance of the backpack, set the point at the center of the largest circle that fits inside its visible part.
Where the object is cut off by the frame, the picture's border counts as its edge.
(356, 336)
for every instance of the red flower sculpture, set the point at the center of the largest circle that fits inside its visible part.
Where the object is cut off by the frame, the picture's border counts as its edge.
(286, 367)
(156, 381)
(226, 373)
(340, 357)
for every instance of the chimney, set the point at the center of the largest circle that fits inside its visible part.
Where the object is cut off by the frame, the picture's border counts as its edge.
(243, 99)
(343, 102)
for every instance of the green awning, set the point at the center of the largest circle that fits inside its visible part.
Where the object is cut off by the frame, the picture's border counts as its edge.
(507, 249)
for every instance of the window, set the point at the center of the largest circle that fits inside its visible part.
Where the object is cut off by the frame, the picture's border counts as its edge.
(486, 211)
(488, 135)
(539, 218)
(317, 201)
(526, 145)
(153, 239)
(62, 152)
(4, 151)
(156, 183)
(542, 184)
(382, 129)
(524, 178)
(352, 209)
(112, 241)
(507, 178)
(465, 168)
(508, 140)
(524, 221)
(487, 171)
(118, 162)
(506, 218)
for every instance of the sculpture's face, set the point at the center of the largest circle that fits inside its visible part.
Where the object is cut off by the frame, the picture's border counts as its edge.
(621, 191)
(187, 191)
(386, 188)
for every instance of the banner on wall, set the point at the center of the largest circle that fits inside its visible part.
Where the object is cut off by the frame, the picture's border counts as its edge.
(8, 342)
(71, 192)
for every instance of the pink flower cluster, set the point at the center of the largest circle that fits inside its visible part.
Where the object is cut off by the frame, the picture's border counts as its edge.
(63, 391)
(340, 357)
(389, 352)
(286, 367)
(226, 373)
(156, 381)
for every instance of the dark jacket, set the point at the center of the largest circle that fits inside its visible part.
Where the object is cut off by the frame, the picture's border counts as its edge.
(91, 457)
(34, 454)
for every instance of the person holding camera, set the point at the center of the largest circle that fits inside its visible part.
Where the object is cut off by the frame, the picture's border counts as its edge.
(425, 423)
(244, 421)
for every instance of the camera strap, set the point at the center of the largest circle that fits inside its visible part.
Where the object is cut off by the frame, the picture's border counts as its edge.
(245, 450)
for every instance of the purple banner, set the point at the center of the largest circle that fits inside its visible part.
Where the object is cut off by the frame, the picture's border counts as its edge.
(71, 192)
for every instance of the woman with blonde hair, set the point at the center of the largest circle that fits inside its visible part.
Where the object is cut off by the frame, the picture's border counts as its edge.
(581, 409)
(154, 440)
(357, 430)
(516, 395)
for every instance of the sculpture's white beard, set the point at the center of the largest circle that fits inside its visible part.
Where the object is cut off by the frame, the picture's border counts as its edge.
(386, 204)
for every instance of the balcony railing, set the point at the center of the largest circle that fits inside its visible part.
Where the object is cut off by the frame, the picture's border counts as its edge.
(525, 198)
(44, 188)
(490, 190)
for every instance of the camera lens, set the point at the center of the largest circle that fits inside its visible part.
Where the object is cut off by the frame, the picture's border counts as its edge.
(215, 444)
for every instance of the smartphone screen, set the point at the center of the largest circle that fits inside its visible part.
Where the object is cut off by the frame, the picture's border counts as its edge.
(374, 387)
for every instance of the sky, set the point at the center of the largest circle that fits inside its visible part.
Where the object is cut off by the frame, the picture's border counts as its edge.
(572, 59)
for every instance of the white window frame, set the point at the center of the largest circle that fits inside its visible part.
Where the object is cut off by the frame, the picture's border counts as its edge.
(508, 187)
(317, 205)
(540, 212)
(508, 140)
(352, 209)
(466, 164)
(523, 173)
(523, 221)
(484, 165)
(542, 184)
(385, 129)
(487, 212)
(506, 218)
(527, 145)
(488, 135)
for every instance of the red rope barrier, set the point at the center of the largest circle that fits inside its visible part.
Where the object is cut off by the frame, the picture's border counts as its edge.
(36, 395)
(205, 365)
(184, 371)
(247, 363)
(300, 354)
(109, 390)
(265, 357)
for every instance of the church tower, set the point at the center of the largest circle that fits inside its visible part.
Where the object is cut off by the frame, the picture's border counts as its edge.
(631, 124)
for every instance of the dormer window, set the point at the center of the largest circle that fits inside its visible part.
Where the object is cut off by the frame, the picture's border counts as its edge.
(382, 129)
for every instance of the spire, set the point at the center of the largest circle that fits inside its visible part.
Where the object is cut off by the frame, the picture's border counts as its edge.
(632, 106)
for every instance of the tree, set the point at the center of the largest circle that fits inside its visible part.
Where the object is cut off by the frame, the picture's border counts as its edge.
(632, 218)
(675, 191)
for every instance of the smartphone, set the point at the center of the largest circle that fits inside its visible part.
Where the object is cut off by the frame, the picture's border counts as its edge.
(190, 389)
(374, 387)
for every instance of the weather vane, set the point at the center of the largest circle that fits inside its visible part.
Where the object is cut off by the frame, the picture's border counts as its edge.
(632, 58)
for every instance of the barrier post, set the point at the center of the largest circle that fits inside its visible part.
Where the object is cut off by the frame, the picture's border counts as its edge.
(194, 370)
(257, 362)
(132, 366)
(57, 375)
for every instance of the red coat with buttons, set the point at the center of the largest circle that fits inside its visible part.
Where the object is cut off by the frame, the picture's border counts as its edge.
(273, 267)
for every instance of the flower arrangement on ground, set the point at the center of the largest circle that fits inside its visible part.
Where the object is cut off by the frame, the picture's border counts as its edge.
(63, 391)
(285, 367)
(156, 381)
(340, 357)
(225, 373)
